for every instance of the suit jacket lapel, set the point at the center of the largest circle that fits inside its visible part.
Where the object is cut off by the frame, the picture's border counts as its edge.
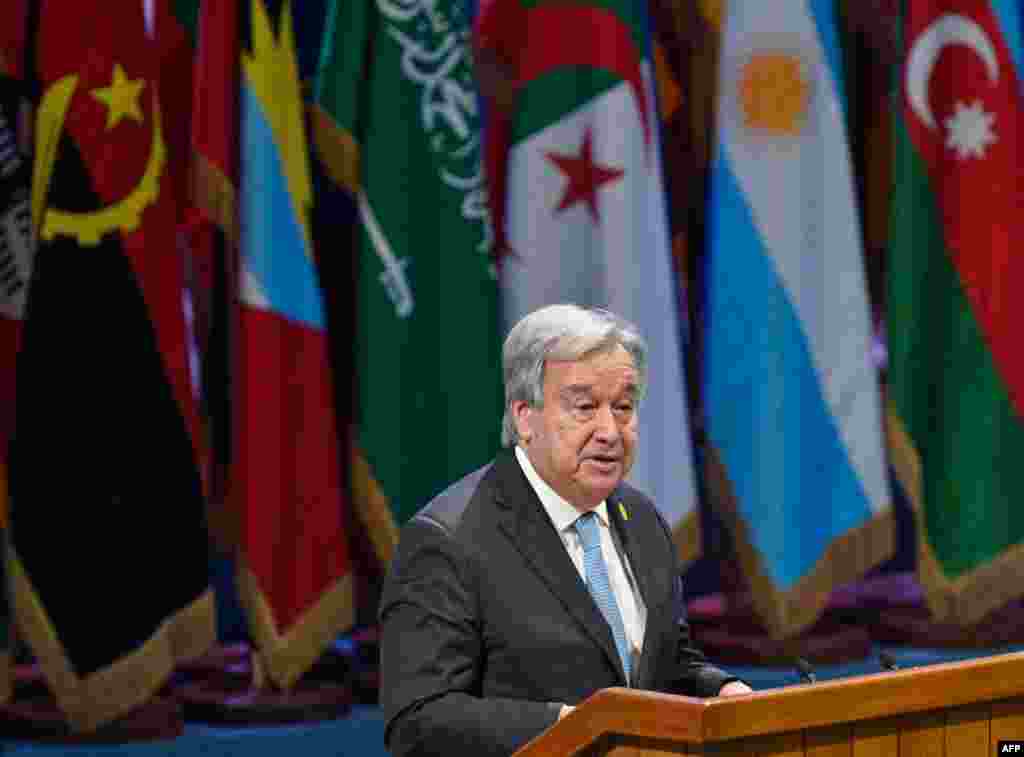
(526, 524)
(636, 540)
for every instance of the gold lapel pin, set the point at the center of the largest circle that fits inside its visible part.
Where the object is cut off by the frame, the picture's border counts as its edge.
(622, 509)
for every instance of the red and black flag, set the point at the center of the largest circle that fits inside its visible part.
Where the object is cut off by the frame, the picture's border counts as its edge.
(109, 558)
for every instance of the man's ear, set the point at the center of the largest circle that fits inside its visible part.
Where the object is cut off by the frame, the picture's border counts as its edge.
(522, 414)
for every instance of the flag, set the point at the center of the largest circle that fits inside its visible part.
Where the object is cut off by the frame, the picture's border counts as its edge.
(870, 41)
(12, 38)
(400, 131)
(108, 550)
(956, 376)
(286, 481)
(687, 37)
(214, 234)
(212, 239)
(791, 393)
(16, 250)
(583, 206)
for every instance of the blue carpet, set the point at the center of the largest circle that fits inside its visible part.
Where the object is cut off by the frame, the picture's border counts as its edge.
(362, 733)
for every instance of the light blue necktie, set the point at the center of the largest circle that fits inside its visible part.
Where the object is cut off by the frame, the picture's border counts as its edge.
(599, 584)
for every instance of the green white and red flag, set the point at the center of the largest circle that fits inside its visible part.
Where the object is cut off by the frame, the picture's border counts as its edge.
(580, 206)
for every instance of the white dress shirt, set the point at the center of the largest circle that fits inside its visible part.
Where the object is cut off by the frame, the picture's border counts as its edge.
(563, 516)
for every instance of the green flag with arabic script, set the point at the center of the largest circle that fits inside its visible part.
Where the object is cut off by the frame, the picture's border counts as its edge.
(398, 126)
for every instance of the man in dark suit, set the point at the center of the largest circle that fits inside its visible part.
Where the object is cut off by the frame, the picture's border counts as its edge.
(541, 578)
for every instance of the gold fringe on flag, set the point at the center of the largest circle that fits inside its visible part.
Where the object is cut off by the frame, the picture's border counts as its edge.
(93, 700)
(967, 599)
(287, 656)
(373, 508)
(850, 556)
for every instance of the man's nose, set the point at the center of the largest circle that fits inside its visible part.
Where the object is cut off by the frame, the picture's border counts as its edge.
(606, 428)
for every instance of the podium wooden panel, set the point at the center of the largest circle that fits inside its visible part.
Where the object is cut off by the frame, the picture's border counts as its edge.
(959, 709)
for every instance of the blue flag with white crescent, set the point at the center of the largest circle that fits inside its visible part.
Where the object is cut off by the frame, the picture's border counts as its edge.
(791, 392)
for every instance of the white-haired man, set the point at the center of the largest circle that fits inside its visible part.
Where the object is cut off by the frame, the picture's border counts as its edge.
(541, 578)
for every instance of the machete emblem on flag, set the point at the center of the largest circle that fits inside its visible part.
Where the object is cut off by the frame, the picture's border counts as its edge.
(126, 213)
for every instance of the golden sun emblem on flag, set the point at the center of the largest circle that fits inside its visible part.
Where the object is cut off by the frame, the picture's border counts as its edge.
(774, 93)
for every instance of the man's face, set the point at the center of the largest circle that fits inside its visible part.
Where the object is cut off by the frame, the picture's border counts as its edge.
(583, 440)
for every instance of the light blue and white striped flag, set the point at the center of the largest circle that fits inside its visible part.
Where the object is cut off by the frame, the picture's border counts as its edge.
(791, 392)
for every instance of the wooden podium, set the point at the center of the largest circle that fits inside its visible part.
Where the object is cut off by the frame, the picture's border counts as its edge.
(960, 709)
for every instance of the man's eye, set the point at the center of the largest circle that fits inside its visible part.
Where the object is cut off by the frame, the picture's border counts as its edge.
(584, 411)
(624, 408)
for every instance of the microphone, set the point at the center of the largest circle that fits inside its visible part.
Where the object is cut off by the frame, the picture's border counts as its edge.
(806, 671)
(887, 660)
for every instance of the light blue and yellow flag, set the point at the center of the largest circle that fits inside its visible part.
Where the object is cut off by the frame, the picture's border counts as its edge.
(791, 391)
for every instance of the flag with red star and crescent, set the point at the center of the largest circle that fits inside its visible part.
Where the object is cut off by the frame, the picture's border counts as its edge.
(954, 311)
(576, 179)
(109, 558)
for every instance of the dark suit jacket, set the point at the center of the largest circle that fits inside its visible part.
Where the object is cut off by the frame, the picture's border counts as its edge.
(487, 627)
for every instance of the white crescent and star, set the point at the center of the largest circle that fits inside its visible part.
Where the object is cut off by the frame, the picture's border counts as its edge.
(948, 29)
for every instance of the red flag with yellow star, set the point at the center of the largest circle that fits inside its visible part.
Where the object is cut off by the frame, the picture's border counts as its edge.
(109, 547)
